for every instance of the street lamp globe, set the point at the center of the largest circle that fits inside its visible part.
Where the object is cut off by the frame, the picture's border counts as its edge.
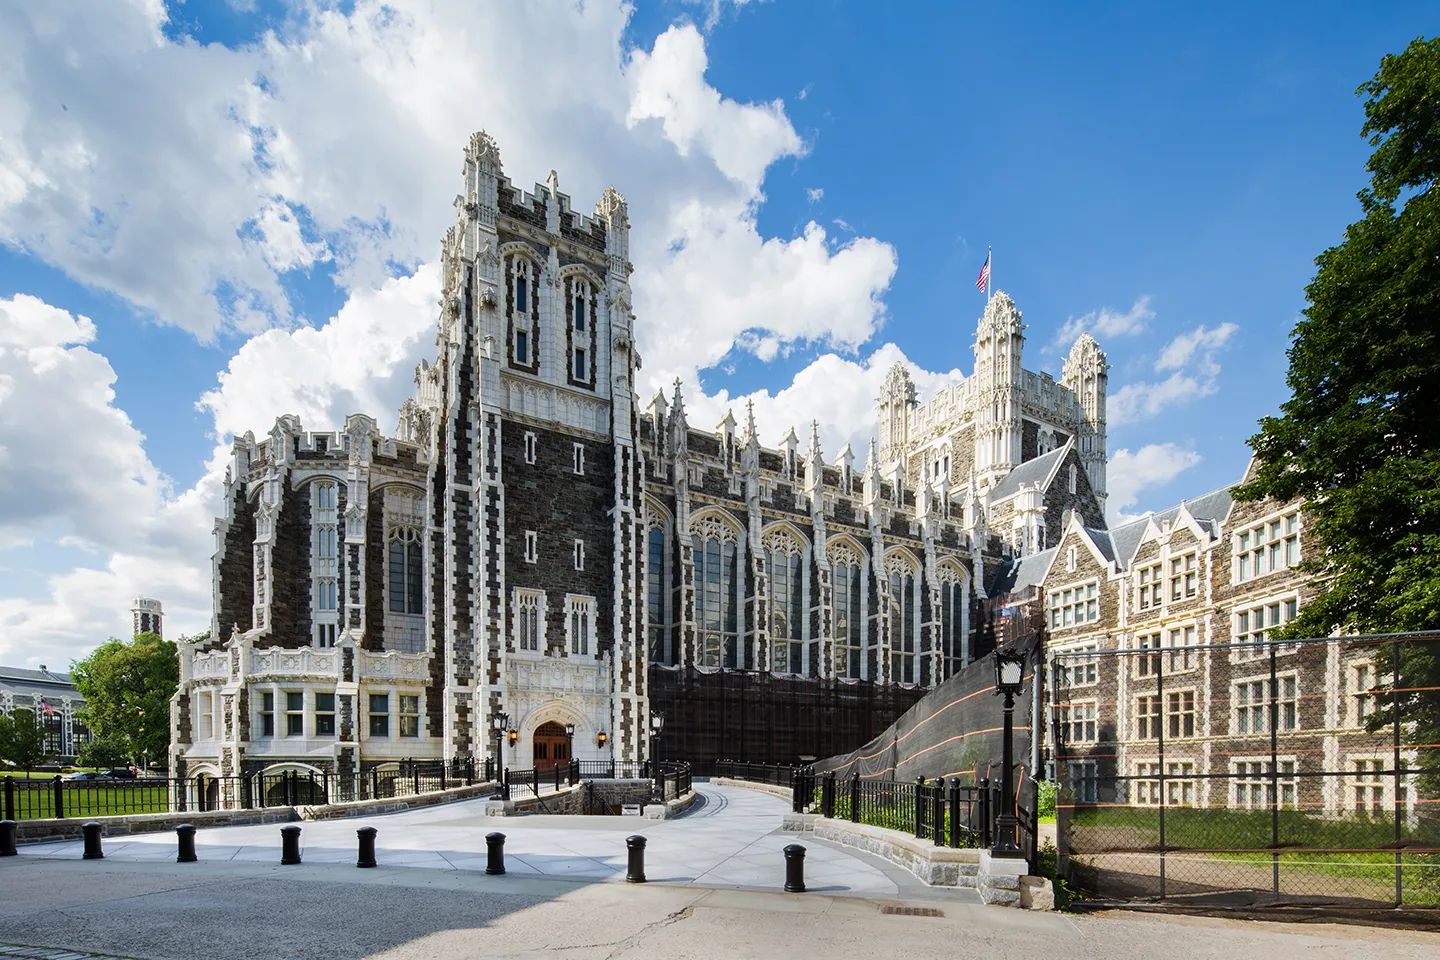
(1009, 671)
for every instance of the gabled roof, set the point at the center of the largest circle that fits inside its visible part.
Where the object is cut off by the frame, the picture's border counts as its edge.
(1024, 573)
(1037, 472)
(1101, 539)
(1209, 511)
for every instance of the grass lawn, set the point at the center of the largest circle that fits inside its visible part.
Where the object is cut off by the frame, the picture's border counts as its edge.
(35, 797)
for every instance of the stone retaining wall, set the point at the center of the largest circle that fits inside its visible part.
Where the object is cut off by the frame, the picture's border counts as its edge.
(784, 793)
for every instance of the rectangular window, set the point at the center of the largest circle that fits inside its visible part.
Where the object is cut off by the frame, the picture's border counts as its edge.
(324, 714)
(655, 596)
(1147, 587)
(325, 542)
(1145, 788)
(325, 496)
(579, 554)
(1147, 718)
(1252, 705)
(1180, 784)
(267, 714)
(325, 635)
(1255, 788)
(848, 618)
(1180, 714)
(1363, 681)
(409, 714)
(379, 714)
(522, 346)
(580, 310)
(527, 619)
(582, 619)
(1183, 655)
(207, 717)
(325, 594)
(1075, 605)
(578, 463)
(529, 448)
(294, 714)
(1079, 720)
(1370, 788)
(1184, 577)
(522, 288)
(1084, 780)
(1253, 624)
(582, 369)
(1079, 667)
(532, 546)
(1147, 664)
(1268, 547)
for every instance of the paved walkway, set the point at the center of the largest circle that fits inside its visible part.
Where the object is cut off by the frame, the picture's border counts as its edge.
(731, 839)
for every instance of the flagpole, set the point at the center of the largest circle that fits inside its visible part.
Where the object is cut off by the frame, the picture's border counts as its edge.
(990, 275)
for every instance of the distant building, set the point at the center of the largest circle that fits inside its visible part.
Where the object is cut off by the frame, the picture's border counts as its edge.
(53, 699)
(148, 616)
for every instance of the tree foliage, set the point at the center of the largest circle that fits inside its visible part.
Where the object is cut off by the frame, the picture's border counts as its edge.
(104, 752)
(22, 739)
(1359, 438)
(127, 688)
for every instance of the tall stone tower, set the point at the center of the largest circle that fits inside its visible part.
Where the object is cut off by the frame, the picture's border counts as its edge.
(1085, 374)
(999, 341)
(148, 615)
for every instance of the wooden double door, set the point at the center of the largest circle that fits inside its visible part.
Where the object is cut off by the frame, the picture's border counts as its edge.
(551, 746)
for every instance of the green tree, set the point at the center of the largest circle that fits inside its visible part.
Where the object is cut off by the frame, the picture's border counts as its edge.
(1359, 438)
(22, 739)
(104, 752)
(127, 688)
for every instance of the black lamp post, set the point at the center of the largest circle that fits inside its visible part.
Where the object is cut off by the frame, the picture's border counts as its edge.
(1009, 675)
(498, 723)
(569, 741)
(657, 723)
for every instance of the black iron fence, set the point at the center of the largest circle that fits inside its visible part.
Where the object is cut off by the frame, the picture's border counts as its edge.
(781, 775)
(59, 798)
(1256, 774)
(530, 781)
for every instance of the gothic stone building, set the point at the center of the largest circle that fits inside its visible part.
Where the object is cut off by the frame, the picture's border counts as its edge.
(531, 541)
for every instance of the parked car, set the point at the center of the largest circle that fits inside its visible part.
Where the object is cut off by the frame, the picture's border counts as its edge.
(84, 775)
(121, 773)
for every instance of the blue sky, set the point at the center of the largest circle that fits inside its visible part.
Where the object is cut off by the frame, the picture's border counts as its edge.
(1179, 169)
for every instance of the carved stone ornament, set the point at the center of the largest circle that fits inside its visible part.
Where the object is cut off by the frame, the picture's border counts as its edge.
(844, 553)
(899, 562)
(487, 297)
(782, 541)
(711, 527)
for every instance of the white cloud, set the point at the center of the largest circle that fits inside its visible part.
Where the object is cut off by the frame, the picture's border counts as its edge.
(815, 194)
(188, 179)
(1130, 474)
(1193, 358)
(1106, 322)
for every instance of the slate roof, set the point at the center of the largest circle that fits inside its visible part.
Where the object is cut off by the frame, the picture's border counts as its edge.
(1019, 575)
(24, 682)
(1031, 472)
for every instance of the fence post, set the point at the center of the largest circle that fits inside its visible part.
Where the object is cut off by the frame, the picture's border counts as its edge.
(505, 785)
(415, 776)
(1394, 726)
(954, 812)
(797, 786)
(855, 797)
(827, 794)
(535, 780)
(247, 797)
(937, 808)
(10, 799)
(1274, 776)
(59, 789)
(919, 819)
(442, 774)
(984, 812)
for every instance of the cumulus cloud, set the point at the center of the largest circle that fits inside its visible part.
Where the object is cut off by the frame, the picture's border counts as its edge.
(1193, 358)
(191, 179)
(1106, 322)
(1129, 474)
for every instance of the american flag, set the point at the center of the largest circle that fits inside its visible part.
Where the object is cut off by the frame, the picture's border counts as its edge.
(49, 710)
(984, 277)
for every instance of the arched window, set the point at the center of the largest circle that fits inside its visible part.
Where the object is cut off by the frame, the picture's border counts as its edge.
(902, 620)
(716, 615)
(954, 644)
(325, 496)
(655, 596)
(524, 348)
(786, 563)
(847, 594)
(406, 591)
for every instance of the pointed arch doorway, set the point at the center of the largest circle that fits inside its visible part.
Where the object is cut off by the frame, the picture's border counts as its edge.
(551, 745)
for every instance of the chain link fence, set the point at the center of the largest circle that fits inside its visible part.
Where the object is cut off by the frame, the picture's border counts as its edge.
(1252, 775)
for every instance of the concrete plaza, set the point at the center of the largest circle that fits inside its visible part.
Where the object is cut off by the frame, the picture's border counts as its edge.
(714, 894)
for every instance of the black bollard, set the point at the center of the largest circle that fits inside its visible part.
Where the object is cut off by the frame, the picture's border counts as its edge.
(7, 838)
(92, 842)
(367, 847)
(494, 854)
(290, 844)
(794, 868)
(635, 872)
(185, 834)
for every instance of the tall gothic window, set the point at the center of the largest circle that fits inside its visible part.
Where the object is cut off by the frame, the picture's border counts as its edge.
(902, 621)
(715, 605)
(524, 347)
(953, 599)
(655, 583)
(406, 591)
(787, 606)
(847, 578)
